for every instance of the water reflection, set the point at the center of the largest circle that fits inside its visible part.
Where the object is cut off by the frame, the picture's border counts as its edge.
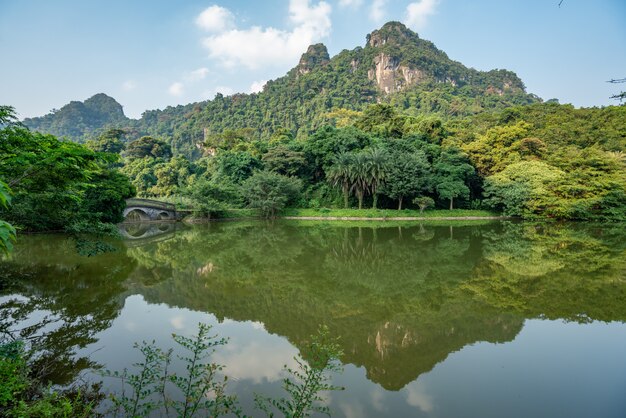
(401, 299)
(63, 300)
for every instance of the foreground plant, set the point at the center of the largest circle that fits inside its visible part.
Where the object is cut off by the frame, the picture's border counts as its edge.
(23, 393)
(309, 381)
(201, 389)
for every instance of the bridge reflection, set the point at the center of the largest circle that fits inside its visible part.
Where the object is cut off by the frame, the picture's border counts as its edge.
(139, 234)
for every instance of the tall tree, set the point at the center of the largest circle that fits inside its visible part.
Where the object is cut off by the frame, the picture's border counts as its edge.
(340, 174)
(359, 176)
(451, 171)
(377, 171)
(409, 174)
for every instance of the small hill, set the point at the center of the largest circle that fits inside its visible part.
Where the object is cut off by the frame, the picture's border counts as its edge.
(77, 120)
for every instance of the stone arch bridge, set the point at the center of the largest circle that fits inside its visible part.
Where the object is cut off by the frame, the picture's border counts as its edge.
(145, 210)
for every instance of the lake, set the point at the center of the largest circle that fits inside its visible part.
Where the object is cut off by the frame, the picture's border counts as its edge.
(473, 319)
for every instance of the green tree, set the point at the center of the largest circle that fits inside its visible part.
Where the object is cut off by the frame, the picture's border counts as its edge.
(381, 120)
(360, 176)
(339, 174)
(451, 171)
(215, 195)
(270, 192)
(282, 160)
(105, 197)
(110, 141)
(424, 202)
(148, 146)
(322, 147)
(54, 181)
(378, 170)
(523, 189)
(7, 232)
(237, 165)
(409, 173)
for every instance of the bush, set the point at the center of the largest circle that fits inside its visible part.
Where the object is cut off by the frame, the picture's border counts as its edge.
(271, 192)
(423, 202)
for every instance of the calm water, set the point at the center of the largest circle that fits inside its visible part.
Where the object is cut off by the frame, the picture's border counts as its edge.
(447, 320)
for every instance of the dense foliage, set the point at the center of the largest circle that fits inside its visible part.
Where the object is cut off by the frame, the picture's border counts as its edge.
(543, 160)
(439, 130)
(7, 231)
(57, 185)
(78, 120)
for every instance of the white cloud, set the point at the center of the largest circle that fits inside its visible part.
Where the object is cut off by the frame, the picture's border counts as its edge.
(258, 47)
(129, 85)
(215, 19)
(417, 13)
(176, 89)
(350, 3)
(315, 19)
(378, 11)
(257, 86)
(197, 75)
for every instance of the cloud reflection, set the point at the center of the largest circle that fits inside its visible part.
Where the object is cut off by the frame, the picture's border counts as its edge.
(416, 396)
(256, 361)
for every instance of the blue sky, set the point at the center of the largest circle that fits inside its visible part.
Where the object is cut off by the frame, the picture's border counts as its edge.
(156, 53)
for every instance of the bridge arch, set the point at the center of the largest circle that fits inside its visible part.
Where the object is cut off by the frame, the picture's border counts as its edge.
(136, 215)
(143, 210)
(164, 216)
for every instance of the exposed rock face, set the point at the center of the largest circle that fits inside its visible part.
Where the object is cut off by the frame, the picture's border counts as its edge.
(390, 76)
(315, 56)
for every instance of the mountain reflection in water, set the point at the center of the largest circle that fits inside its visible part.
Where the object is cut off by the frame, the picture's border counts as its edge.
(401, 298)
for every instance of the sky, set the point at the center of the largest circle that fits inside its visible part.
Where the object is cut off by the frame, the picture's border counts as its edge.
(150, 54)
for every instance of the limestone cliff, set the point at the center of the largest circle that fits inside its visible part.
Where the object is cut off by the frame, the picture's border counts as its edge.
(315, 56)
(400, 59)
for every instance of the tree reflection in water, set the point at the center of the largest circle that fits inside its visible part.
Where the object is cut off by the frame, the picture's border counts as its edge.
(401, 298)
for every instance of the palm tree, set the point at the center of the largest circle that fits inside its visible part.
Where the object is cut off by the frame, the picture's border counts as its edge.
(377, 167)
(340, 173)
(359, 178)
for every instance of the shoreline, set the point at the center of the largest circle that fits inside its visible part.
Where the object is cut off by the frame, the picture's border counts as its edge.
(351, 218)
(398, 218)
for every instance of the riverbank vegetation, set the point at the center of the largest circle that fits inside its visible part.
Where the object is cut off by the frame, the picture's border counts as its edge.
(537, 161)
(55, 185)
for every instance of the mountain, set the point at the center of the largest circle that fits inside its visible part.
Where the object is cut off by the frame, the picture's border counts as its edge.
(395, 66)
(77, 120)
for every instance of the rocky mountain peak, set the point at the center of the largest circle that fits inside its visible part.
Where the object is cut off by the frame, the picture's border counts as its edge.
(391, 33)
(315, 56)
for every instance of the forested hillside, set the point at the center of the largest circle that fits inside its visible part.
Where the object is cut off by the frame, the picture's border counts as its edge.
(79, 120)
(394, 124)
(395, 66)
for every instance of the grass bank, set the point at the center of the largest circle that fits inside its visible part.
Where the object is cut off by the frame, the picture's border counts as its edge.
(368, 214)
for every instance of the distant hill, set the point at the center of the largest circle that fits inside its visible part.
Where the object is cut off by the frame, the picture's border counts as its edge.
(77, 120)
(395, 66)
